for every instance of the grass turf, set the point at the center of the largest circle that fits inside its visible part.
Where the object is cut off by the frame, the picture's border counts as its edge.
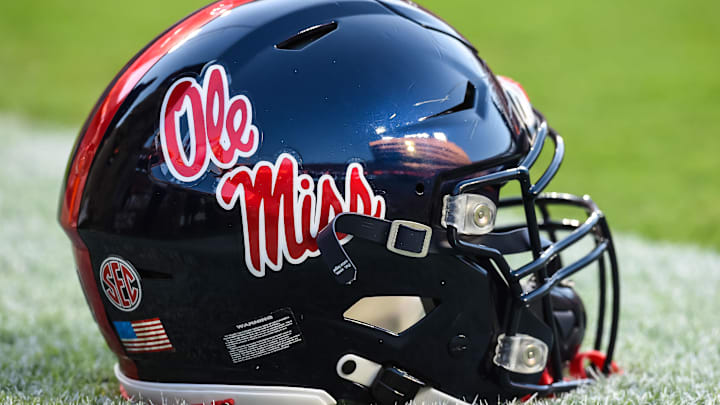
(52, 352)
(633, 87)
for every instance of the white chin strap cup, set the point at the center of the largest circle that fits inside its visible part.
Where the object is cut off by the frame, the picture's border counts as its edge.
(209, 394)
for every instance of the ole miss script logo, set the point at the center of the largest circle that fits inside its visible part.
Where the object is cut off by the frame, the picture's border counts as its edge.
(121, 283)
(282, 209)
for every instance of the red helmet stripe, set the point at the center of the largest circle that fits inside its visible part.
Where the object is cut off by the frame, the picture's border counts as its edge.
(90, 140)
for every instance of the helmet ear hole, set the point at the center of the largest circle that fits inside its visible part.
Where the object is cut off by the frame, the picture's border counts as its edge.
(420, 189)
(393, 314)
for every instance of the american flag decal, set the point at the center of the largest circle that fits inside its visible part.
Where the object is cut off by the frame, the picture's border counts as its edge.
(143, 336)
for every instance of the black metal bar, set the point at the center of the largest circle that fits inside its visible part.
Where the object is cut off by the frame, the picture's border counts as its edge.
(557, 387)
(541, 271)
(510, 202)
(470, 185)
(600, 328)
(564, 225)
(550, 226)
(616, 297)
(555, 198)
(508, 228)
(546, 219)
(554, 166)
(564, 273)
(536, 147)
(558, 247)
(530, 216)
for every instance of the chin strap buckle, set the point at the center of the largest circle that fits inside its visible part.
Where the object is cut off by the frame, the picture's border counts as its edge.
(408, 238)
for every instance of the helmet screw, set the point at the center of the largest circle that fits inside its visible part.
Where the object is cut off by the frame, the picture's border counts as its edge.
(349, 367)
(458, 345)
(530, 355)
(482, 216)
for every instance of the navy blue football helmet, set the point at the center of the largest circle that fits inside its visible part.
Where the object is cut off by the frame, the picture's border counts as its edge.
(282, 201)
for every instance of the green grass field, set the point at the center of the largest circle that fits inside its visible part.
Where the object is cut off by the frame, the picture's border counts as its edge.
(634, 87)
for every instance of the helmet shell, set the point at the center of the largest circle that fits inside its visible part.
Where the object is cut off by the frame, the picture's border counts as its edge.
(391, 90)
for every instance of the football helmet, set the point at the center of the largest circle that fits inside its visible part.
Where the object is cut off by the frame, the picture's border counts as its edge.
(283, 201)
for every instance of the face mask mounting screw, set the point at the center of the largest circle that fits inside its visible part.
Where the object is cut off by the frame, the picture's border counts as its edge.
(482, 215)
(531, 355)
(349, 367)
(521, 353)
(469, 214)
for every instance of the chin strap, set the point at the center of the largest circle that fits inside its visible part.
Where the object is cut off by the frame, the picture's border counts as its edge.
(405, 238)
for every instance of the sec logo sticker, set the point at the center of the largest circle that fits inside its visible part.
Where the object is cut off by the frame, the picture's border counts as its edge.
(121, 283)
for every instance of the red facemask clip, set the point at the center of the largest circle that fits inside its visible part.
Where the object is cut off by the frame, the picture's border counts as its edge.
(596, 357)
(577, 369)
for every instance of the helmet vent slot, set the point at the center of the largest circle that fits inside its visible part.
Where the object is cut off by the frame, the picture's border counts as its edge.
(307, 36)
(468, 103)
(391, 314)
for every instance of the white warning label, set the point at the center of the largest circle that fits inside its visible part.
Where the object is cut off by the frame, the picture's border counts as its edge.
(262, 336)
